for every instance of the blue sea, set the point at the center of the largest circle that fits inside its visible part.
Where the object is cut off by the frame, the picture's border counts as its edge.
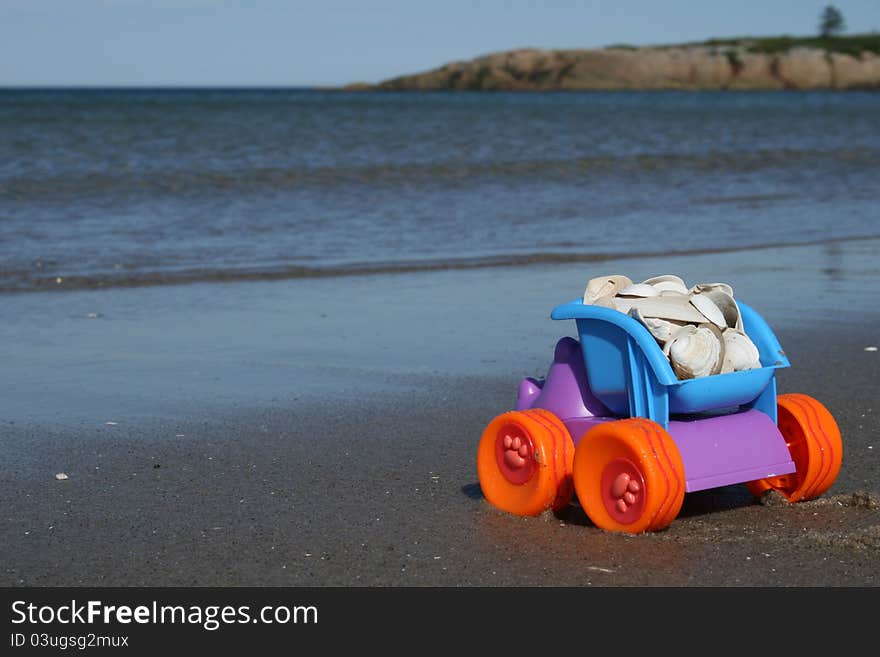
(137, 187)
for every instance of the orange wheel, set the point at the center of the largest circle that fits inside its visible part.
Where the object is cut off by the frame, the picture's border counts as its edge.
(629, 476)
(524, 462)
(564, 457)
(814, 443)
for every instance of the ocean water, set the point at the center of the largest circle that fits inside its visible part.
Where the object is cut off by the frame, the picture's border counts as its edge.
(134, 187)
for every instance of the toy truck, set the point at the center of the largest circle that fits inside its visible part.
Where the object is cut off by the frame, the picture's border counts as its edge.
(613, 424)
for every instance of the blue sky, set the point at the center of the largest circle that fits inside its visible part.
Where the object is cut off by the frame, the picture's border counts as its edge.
(270, 42)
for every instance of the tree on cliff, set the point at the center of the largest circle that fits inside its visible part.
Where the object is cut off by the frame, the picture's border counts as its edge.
(831, 22)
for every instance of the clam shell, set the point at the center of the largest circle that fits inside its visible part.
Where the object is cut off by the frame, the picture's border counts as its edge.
(696, 351)
(604, 286)
(740, 353)
(711, 287)
(661, 329)
(667, 283)
(727, 305)
(639, 290)
(606, 302)
(670, 288)
(675, 308)
(709, 309)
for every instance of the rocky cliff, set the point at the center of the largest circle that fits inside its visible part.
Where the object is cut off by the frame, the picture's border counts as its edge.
(676, 67)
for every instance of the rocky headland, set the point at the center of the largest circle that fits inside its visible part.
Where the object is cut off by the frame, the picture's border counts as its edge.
(763, 64)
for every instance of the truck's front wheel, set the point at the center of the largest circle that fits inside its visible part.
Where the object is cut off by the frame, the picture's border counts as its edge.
(524, 462)
(629, 476)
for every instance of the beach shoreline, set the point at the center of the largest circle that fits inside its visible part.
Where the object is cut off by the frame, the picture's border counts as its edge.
(324, 432)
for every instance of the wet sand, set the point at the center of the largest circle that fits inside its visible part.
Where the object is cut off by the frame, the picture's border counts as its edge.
(323, 432)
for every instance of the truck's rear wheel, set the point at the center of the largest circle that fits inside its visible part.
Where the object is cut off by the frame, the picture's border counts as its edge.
(814, 443)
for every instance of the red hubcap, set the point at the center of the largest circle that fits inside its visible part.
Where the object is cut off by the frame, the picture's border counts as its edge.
(515, 454)
(623, 490)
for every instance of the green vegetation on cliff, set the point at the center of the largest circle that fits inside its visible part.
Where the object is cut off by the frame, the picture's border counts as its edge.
(853, 44)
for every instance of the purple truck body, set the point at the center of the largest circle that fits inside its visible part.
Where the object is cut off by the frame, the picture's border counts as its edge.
(717, 450)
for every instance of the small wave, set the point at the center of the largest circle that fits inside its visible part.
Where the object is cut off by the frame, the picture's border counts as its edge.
(744, 198)
(194, 182)
(19, 282)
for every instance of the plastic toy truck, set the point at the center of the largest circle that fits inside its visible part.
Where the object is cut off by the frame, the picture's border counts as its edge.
(612, 423)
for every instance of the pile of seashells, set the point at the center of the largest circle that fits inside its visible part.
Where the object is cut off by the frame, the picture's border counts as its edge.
(700, 328)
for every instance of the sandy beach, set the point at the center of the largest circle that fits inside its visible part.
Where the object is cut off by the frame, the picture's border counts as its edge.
(323, 432)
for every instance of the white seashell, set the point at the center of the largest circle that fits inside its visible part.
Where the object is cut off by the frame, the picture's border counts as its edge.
(665, 287)
(639, 290)
(604, 286)
(708, 308)
(669, 278)
(740, 353)
(605, 302)
(661, 329)
(677, 308)
(667, 283)
(727, 305)
(712, 287)
(696, 351)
